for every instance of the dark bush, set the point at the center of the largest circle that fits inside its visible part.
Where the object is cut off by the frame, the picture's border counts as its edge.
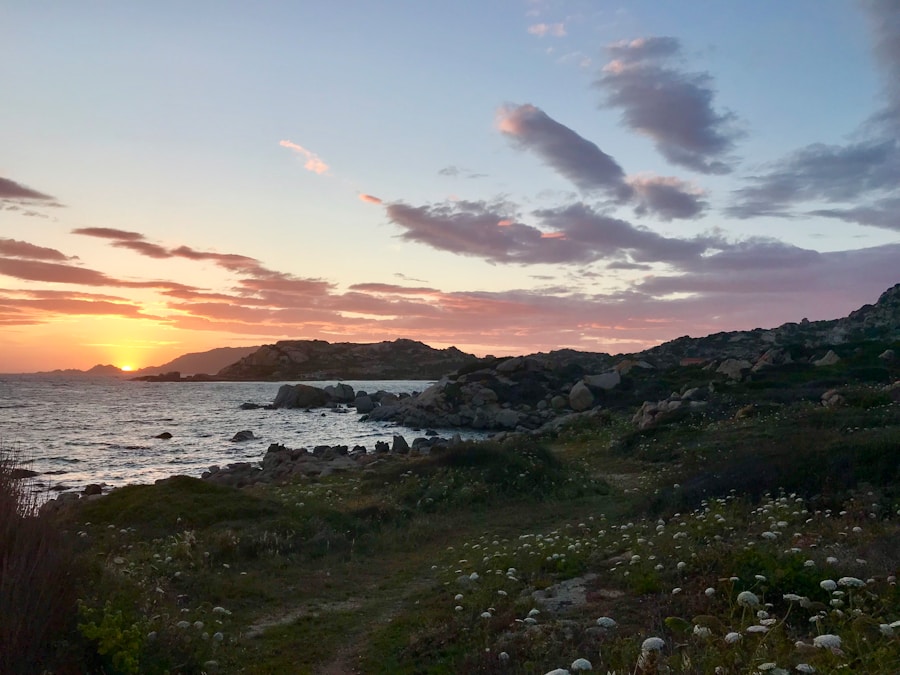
(37, 579)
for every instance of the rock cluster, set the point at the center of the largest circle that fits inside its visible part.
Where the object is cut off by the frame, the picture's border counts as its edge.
(282, 464)
(516, 394)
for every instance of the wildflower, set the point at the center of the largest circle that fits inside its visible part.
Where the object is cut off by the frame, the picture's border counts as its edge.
(757, 629)
(218, 636)
(828, 585)
(486, 615)
(748, 599)
(732, 637)
(702, 631)
(676, 590)
(458, 597)
(710, 592)
(652, 644)
(851, 582)
(827, 641)
(804, 668)
(503, 656)
(581, 664)
(606, 622)
(792, 597)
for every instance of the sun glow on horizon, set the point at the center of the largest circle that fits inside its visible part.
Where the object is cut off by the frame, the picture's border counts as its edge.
(126, 368)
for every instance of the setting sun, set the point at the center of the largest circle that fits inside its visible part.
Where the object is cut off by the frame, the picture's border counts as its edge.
(126, 369)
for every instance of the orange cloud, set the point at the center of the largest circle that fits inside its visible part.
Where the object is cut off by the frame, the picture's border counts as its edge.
(553, 235)
(313, 162)
(371, 199)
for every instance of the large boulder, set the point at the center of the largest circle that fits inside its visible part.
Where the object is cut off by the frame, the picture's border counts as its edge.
(607, 380)
(341, 393)
(580, 397)
(734, 368)
(364, 404)
(300, 396)
(828, 360)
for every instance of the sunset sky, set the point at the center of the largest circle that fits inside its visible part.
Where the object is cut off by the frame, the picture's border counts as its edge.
(507, 177)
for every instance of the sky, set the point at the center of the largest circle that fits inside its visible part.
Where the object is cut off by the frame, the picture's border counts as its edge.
(506, 177)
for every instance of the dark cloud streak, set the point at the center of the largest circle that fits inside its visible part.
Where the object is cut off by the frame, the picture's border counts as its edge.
(672, 107)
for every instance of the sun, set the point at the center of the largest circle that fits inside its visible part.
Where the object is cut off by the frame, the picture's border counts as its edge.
(126, 369)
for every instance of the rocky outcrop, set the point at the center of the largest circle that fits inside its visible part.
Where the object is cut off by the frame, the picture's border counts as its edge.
(320, 360)
(306, 396)
(519, 394)
(880, 321)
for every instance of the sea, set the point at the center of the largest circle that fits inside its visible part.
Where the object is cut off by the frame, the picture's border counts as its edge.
(75, 431)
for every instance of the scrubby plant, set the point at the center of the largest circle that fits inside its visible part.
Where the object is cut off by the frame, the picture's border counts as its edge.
(37, 577)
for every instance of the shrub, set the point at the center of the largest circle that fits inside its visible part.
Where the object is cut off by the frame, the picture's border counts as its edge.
(37, 578)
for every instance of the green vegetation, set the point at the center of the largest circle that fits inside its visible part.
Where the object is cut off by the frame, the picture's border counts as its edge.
(758, 533)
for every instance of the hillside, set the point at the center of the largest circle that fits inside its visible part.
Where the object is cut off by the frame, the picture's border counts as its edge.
(209, 362)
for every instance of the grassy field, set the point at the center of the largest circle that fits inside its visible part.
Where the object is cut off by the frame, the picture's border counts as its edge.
(757, 534)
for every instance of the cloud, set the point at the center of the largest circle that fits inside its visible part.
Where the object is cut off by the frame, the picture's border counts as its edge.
(832, 173)
(884, 213)
(313, 162)
(667, 197)
(672, 107)
(571, 234)
(862, 173)
(545, 29)
(38, 270)
(573, 156)
(9, 189)
(22, 249)
(369, 199)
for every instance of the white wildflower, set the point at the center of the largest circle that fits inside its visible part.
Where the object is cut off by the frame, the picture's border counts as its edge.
(827, 641)
(747, 599)
(732, 637)
(606, 622)
(581, 664)
(828, 585)
(851, 582)
(652, 644)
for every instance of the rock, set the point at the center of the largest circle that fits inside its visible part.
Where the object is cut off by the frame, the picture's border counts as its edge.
(508, 419)
(832, 398)
(733, 368)
(164, 436)
(342, 393)
(887, 355)
(19, 474)
(558, 402)
(364, 404)
(608, 380)
(244, 435)
(382, 447)
(400, 446)
(300, 396)
(511, 365)
(92, 489)
(580, 397)
(250, 406)
(828, 360)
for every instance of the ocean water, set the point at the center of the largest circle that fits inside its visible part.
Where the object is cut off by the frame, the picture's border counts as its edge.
(75, 431)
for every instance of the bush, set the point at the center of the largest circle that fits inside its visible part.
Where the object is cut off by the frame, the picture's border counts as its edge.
(37, 579)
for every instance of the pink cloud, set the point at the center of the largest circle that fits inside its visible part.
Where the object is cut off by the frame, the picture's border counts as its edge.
(22, 249)
(370, 199)
(313, 162)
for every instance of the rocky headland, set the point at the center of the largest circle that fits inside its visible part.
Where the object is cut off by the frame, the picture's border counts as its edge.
(321, 360)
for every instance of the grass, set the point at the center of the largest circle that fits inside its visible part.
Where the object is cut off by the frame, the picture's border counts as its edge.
(431, 564)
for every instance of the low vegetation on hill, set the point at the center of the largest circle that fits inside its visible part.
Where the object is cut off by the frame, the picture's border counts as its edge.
(759, 533)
